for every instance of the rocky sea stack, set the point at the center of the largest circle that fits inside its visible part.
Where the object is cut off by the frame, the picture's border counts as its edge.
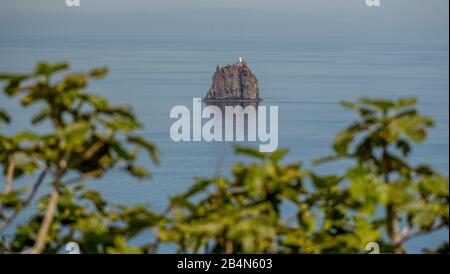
(234, 82)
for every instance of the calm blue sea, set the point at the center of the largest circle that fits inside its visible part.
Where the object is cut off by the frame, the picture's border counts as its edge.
(305, 79)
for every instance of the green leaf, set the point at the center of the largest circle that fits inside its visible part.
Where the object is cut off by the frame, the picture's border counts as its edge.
(436, 184)
(13, 82)
(4, 116)
(380, 104)
(416, 135)
(324, 159)
(405, 102)
(74, 81)
(40, 116)
(120, 123)
(121, 247)
(201, 185)
(26, 136)
(278, 154)
(96, 199)
(413, 127)
(44, 68)
(75, 134)
(98, 73)
(325, 182)
(367, 113)
(138, 171)
(123, 152)
(250, 152)
(423, 215)
(342, 141)
(151, 149)
(350, 105)
(404, 147)
(307, 220)
(12, 76)
(98, 102)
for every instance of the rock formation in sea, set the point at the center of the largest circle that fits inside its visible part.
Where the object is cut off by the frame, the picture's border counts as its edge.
(234, 82)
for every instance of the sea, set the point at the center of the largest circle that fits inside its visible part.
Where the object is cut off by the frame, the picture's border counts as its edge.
(305, 79)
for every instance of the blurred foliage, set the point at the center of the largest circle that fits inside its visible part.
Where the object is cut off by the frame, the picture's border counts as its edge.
(265, 206)
(87, 138)
(379, 198)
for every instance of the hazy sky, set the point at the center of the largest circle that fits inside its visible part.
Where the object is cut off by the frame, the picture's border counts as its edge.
(350, 20)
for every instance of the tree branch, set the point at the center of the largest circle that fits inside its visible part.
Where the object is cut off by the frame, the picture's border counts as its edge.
(26, 202)
(5, 247)
(418, 233)
(89, 153)
(84, 176)
(39, 244)
(10, 174)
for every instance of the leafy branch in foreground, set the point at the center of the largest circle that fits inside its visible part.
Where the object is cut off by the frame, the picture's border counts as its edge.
(87, 138)
(265, 206)
(381, 198)
(415, 198)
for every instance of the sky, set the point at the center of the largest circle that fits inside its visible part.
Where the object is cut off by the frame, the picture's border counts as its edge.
(348, 20)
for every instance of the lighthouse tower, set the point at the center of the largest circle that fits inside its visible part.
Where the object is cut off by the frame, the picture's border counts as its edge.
(241, 62)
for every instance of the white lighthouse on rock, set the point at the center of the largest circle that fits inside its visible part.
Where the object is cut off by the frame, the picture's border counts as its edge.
(241, 62)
